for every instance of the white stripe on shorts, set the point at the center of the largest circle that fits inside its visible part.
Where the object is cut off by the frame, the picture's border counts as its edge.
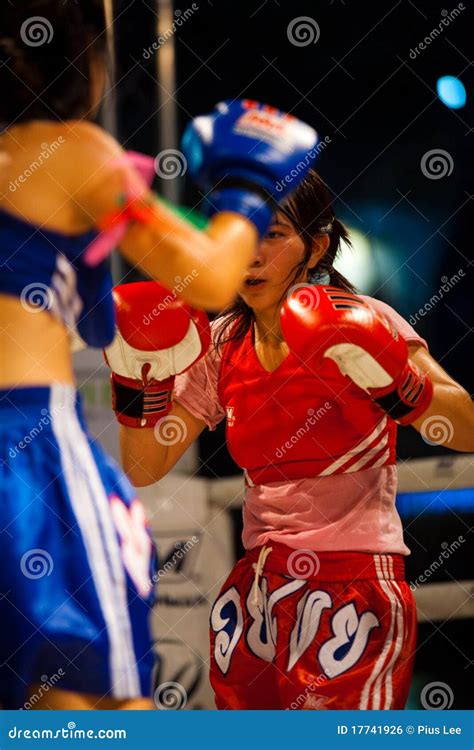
(386, 673)
(398, 643)
(91, 507)
(378, 670)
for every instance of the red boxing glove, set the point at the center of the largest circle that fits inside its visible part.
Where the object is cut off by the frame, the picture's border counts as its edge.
(323, 321)
(157, 337)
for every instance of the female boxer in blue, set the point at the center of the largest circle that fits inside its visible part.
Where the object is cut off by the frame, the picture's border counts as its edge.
(75, 588)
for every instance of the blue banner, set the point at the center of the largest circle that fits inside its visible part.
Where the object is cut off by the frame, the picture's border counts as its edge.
(245, 730)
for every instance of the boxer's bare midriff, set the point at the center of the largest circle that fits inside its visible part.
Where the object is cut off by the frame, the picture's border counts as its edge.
(35, 349)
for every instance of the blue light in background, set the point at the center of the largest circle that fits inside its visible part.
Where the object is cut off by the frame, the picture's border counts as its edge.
(435, 502)
(451, 91)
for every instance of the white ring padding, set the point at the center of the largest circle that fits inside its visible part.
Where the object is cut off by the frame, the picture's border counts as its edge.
(438, 602)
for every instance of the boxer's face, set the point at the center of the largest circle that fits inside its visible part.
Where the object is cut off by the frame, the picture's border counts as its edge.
(273, 269)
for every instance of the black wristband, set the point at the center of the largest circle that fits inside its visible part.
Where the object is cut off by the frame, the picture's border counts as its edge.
(128, 401)
(395, 406)
(139, 403)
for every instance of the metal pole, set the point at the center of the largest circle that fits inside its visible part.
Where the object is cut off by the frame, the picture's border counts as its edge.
(166, 85)
(109, 110)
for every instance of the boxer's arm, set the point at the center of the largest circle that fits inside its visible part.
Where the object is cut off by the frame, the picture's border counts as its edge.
(449, 419)
(145, 456)
(214, 262)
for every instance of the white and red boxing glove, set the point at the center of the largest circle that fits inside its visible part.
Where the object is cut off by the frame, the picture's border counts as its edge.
(157, 337)
(323, 321)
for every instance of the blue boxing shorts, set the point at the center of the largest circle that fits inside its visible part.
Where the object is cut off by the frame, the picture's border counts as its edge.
(76, 558)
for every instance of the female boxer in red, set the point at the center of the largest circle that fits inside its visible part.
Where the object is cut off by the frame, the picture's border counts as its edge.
(75, 588)
(317, 615)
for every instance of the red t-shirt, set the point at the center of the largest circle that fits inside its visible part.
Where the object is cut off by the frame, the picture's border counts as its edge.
(318, 454)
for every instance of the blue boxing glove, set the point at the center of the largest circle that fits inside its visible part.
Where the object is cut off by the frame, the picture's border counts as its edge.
(244, 155)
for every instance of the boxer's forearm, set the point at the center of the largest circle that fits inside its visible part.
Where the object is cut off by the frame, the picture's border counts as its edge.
(449, 419)
(148, 454)
(205, 268)
(143, 458)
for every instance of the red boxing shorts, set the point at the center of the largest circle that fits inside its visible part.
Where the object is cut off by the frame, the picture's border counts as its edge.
(292, 629)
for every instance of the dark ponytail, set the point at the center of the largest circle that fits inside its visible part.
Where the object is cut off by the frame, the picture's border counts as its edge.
(46, 47)
(309, 209)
